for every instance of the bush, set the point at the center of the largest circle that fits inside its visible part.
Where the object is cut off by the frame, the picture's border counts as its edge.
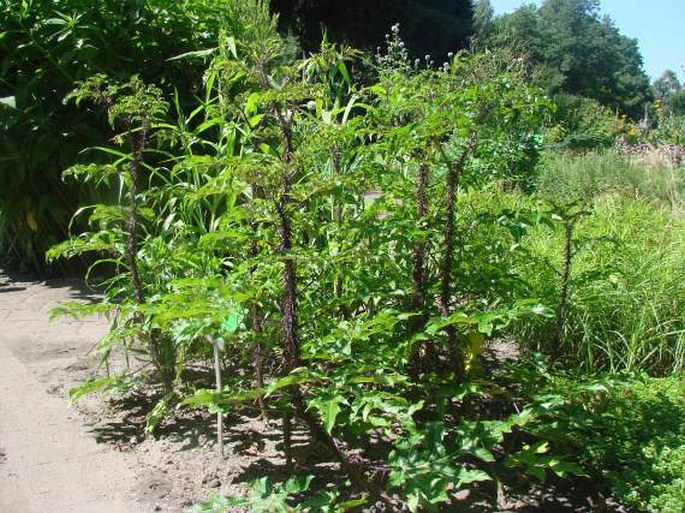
(583, 124)
(636, 441)
(45, 48)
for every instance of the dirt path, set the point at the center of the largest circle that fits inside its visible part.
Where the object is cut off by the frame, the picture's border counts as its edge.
(49, 461)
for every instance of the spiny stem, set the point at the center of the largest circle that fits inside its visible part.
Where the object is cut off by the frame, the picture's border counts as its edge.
(565, 278)
(452, 179)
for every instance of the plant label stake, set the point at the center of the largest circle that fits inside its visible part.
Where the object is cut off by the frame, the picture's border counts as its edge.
(218, 344)
(229, 326)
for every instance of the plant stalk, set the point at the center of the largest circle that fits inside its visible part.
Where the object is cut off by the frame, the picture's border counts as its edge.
(219, 387)
(560, 322)
(452, 179)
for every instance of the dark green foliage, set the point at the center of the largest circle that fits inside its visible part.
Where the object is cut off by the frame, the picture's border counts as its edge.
(433, 27)
(45, 47)
(582, 123)
(642, 453)
(629, 432)
(578, 53)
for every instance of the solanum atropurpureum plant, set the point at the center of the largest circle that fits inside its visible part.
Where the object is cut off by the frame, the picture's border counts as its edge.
(306, 166)
(337, 293)
(133, 109)
(432, 124)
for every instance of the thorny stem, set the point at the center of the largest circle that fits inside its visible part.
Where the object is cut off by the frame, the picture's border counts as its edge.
(257, 319)
(452, 179)
(131, 254)
(291, 344)
(563, 297)
(354, 466)
(132, 218)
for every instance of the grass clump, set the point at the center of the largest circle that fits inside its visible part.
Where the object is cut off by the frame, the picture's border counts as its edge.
(567, 176)
(627, 283)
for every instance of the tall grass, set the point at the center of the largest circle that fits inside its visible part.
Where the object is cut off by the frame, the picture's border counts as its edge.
(627, 289)
(567, 176)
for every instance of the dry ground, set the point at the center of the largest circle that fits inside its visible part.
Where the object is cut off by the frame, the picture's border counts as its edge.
(92, 457)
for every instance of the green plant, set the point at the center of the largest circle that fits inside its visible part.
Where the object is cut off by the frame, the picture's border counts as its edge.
(624, 311)
(133, 109)
(628, 432)
(46, 47)
(583, 124)
(351, 248)
(566, 176)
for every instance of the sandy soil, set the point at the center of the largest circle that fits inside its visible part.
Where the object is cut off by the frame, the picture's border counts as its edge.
(50, 462)
(92, 457)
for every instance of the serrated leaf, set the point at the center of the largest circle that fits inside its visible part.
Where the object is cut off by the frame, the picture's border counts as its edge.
(467, 476)
(297, 377)
(329, 408)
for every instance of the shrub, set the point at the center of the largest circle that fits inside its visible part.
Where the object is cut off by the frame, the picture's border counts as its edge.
(583, 124)
(45, 48)
(635, 439)
(625, 431)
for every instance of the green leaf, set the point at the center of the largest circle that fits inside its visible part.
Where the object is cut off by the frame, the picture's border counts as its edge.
(296, 377)
(160, 411)
(93, 385)
(9, 101)
(192, 55)
(230, 324)
(467, 476)
(329, 408)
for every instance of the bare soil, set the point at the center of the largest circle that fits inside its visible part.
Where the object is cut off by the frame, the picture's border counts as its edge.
(92, 456)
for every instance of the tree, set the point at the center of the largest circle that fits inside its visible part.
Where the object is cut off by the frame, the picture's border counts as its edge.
(433, 27)
(483, 18)
(668, 89)
(578, 52)
(666, 85)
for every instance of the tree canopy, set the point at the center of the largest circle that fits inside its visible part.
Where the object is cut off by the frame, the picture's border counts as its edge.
(671, 93)
(579, 52)
(433, 27)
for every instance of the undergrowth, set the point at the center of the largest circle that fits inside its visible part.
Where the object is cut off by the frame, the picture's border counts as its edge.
(626, 309)
(568, 176)
(630, 435)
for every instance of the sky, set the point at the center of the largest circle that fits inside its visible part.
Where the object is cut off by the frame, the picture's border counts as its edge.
(658, 25)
